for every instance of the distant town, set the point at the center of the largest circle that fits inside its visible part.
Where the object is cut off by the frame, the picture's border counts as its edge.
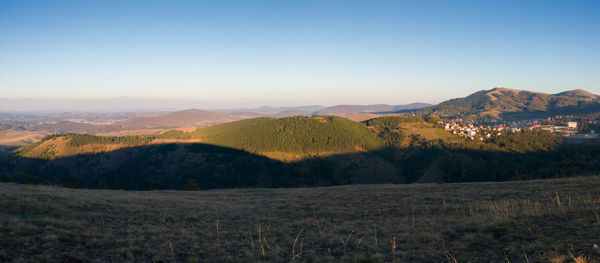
(567, 126)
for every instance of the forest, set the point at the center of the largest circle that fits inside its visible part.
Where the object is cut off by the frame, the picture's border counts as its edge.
(337, 151)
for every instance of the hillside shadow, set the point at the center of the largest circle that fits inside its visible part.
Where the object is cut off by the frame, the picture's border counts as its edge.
(171, 166)
(164, 166)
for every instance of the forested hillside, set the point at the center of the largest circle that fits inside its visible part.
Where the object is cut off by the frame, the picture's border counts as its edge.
(298, 135)
(293, 134)
(327, 150)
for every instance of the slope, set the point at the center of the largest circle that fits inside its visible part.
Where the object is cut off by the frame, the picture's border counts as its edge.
(507, 104)
(375, 108)
(176, 119)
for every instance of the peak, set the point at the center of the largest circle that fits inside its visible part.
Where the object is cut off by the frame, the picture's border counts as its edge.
(502, 89)
(577, 92)
(191, 110)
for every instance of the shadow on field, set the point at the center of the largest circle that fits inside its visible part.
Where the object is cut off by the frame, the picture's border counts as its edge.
(171, 166)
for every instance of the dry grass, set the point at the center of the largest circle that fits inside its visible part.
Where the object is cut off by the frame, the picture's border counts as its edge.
(532, 221)
(428, 131)
(20, 138)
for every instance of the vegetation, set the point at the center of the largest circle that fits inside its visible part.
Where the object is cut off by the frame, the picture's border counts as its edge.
(27, 148)
(72, 183)
(336, 152)
(533, 221)
(506, 104)
(293, 134)
(394, 132)
(77, 140)
(191, 185)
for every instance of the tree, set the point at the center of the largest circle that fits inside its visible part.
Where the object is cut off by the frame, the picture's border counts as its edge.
(102, 184)
(3, 179)
(72, 183)
(118, 185)
(32, 180)
(191, 185)
(150, 186)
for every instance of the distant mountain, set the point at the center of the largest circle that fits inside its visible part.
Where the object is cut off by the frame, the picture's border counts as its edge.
(90, 117)
(412, 106)
(375, 108)
(509, 105)
(85, 122)
(271, 111)
(177, 119)
(196, 118)
(290, 113)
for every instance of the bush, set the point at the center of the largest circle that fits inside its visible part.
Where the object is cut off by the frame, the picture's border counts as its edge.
(72, 183)
(191, 185)
(118, 185)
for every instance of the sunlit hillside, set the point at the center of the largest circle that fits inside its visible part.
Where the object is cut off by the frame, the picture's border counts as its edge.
(296, 152)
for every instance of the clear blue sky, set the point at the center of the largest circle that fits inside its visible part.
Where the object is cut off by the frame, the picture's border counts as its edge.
(296, 52)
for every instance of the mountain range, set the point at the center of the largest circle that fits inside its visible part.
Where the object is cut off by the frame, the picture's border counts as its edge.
(498, 104)
(295, 151)
(374, 108)
(115, 122)
(509, 105)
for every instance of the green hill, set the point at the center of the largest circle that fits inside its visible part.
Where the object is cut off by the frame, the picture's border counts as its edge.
(310, 151)
(508, 104)
(293, 134)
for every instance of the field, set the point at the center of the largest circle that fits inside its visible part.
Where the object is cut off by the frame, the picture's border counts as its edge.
(527, 221)
(20, 138)
(428, 131)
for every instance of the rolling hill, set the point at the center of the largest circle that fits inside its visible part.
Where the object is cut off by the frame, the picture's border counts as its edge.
(293, 152)
(176, 119)
(298, 135)
(508, 104)
(375, 108)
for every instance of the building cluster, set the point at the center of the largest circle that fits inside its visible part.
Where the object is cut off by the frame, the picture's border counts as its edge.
(569, 126)
(568, 129)
(486, 131)
(477, 131)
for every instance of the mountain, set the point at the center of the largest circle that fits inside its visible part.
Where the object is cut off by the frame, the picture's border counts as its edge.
(271, 111)
(89, 117)
(296, 135)
(293, 152)
(290, 113)
(375, 108)
(191, 117)
(292, 135)
(246, 153)
(509, 105)
(412, 106)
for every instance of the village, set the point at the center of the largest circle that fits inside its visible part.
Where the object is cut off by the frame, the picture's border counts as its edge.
(562, 125)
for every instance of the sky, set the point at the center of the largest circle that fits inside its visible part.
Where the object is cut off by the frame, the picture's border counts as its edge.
(225, 54)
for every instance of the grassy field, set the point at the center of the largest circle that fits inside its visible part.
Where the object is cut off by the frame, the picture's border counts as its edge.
(526, 221)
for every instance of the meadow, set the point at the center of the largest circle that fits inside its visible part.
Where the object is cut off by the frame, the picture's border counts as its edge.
(551, 220)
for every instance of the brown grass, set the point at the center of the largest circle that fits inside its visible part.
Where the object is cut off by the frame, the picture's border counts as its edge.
(530, 221)
(20, 138)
